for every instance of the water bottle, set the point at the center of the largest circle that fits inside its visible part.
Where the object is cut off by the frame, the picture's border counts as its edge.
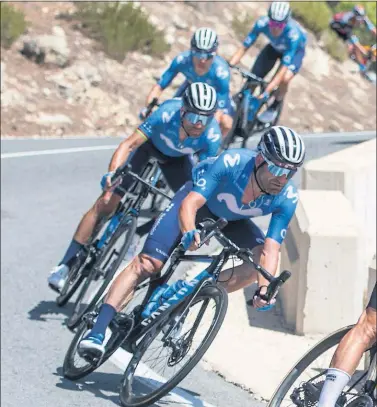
(153, 302)
(174, 288)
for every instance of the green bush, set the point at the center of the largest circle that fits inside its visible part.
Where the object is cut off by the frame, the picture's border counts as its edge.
(13, 24)
(242, 26)
(120, 28)
(334, 45)
(314, 15)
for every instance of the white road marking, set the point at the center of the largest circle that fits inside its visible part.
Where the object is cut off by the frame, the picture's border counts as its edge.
(121, 358)
(58, 151)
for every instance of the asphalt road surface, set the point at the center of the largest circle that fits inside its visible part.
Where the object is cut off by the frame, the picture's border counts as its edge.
(46, 186)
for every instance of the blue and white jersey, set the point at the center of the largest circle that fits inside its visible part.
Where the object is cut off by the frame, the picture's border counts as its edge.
(162, 128)
(222, 181)
(288, 43)
(218, 75)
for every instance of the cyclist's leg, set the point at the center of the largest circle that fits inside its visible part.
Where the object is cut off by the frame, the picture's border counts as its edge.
(181, 89)
(349, 353)
(293, 69)
(246, 234)
(177, 171)
(157, 249)
(265, 61)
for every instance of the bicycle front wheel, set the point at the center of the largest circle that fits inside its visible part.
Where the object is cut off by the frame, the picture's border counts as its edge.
(303, 384)
(159, 362)
(103, 272)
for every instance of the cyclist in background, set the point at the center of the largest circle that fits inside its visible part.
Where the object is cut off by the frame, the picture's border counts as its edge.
(173, 133)
(344, 23)
(287, 44)
(200, 64)
(349, 353)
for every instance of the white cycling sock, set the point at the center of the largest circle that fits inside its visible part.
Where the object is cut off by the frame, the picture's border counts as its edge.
(336, 381)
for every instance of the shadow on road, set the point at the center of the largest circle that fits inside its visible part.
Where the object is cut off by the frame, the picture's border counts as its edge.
(48, 310)
(99, 384)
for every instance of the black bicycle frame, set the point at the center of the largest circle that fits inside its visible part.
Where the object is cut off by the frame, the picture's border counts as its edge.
(142, 326)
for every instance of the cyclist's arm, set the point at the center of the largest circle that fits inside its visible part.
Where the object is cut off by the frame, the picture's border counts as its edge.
(187, 212)
(248, 41)
(236, 58)
(370, 25)
(277, 230)
(166, 79)
(269, 259)
(155, 92)
(125, 148)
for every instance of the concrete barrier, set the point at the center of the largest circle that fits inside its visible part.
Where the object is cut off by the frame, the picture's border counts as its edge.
(321, 249)
(353, 172)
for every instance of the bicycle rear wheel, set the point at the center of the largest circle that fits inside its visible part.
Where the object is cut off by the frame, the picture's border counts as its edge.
(143, 382)
(103, 272)
(303, 384)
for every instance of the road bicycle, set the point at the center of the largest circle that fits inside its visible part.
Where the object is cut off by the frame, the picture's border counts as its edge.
(167, 343)
(245, 127)
(302, 385)
(97, 262)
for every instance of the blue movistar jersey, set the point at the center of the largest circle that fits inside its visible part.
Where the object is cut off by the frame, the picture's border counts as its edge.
(288, 43)
(218, 75)
(162, 128)
(222, 181)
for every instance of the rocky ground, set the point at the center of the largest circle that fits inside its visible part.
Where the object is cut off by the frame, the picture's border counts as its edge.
(79, 90)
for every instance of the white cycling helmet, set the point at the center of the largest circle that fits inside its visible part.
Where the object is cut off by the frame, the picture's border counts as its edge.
(283, 146)
(279, 11)
(204, 39)
(200, 98)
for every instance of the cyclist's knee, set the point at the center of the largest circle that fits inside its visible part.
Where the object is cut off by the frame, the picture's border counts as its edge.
(102, 208)
(148, 265)
(287, 78)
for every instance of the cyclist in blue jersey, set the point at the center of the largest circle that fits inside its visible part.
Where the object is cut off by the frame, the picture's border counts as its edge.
(287, 44)
(200, 64)
(172, 133)
(238, 185)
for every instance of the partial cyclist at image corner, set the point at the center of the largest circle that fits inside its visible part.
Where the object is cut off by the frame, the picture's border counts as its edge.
(200, 64)
(178, 129)
(344, 23)
(287, 44)
(348, 356)
(237, 185)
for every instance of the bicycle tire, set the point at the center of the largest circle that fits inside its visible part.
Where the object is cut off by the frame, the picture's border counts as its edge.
(75, 319)
(212, 291)
(67, 291)
(321, 347)
(70, 371)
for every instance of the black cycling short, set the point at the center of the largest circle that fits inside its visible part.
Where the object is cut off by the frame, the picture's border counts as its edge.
(373, 299)
(265, 61)
(176, 170)
(339, 30)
